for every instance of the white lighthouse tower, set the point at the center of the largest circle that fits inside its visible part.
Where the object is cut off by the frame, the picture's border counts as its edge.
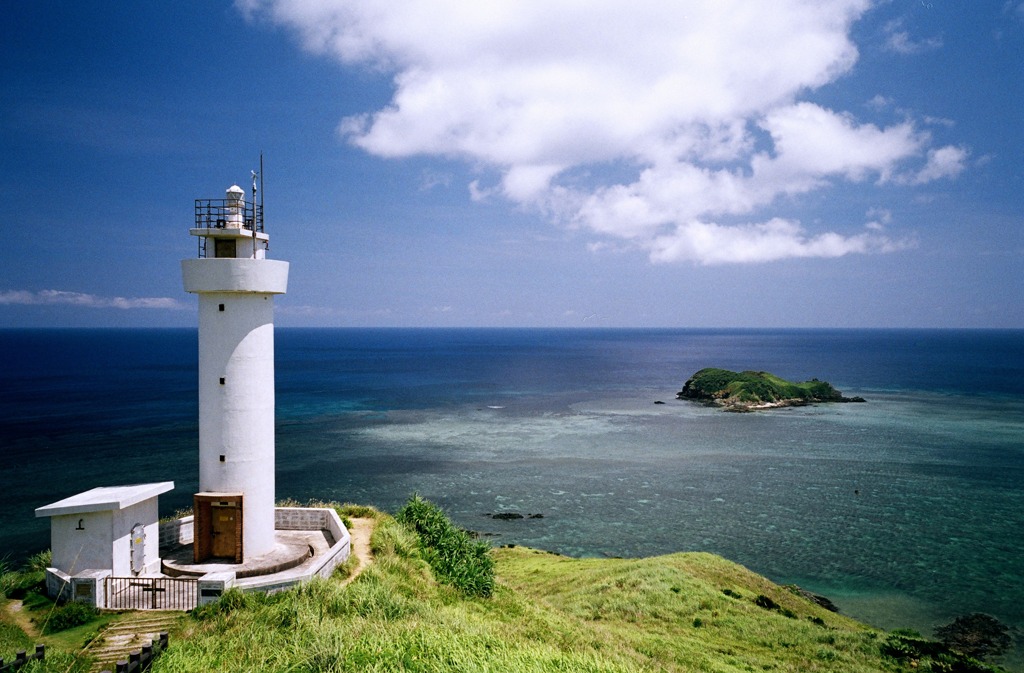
(236, 283)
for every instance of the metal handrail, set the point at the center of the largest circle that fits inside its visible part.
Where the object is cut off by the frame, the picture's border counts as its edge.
(220, 213)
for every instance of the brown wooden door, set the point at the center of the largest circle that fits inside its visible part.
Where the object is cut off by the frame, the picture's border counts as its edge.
(224, 529)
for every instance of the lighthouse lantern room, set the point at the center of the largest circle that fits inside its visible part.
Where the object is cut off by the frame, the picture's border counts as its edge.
(236, 283)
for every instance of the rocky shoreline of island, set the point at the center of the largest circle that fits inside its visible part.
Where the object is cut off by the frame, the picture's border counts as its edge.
(750, 391)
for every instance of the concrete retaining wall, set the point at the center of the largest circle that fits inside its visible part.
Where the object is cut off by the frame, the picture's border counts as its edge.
(302, 518)
(176, 533)
(58, 584)
(179, 532)
(84, 587)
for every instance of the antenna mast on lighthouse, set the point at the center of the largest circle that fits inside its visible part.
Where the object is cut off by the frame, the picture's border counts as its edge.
(257, 211)
(254, 214)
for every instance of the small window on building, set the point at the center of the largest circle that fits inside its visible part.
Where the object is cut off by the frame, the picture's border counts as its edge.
(224, 247)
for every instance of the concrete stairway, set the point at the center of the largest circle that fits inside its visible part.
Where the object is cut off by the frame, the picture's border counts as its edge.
(121, 638)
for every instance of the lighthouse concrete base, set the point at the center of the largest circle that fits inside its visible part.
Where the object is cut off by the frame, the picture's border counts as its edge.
(291, 549)
(309, 542)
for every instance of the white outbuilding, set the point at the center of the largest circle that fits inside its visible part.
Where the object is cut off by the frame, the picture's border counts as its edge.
(110, 528)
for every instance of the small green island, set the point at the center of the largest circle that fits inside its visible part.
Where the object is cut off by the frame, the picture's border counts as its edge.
(753, 391)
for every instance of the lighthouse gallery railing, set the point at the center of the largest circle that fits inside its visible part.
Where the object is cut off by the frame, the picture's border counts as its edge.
(227, 214)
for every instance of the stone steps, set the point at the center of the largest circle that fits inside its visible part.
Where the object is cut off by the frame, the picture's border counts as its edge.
(121, 638)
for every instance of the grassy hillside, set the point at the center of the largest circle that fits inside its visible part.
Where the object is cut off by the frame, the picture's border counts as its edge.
(752, 389)
(684, 612)
(544, 612)
(673, 612)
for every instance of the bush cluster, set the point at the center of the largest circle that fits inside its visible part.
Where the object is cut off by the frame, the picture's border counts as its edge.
(767, 603)
(928, 655)
(456, 558)
(68, 615)
(32, 576)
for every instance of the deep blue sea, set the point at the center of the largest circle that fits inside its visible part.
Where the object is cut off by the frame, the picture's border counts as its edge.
(907, 510)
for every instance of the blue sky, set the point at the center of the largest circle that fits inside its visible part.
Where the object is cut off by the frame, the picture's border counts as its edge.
(602, 164)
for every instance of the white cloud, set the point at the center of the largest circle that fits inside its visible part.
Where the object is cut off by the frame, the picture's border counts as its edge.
(431, 179)
(878, 218)
(939, 121)
(479, 194)
(709, 243)
(944, 162)
(899, 40)
(812, 142)
(645, 121)
(879, 102)
(62, 297)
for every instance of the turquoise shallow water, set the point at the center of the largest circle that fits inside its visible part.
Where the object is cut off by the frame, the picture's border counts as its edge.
(906, 511)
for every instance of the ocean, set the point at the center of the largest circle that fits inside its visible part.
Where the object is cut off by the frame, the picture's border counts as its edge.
(906, 511)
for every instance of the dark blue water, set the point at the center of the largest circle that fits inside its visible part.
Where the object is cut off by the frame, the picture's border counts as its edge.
(907, 510)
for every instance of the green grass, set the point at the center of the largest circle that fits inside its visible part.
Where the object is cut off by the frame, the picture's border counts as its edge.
(453, 554)
(17, 583)
(674, 609)
(682, 612)
(61, 648)
(12, 638)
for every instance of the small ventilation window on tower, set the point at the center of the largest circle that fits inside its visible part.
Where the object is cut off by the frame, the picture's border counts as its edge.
(220, 307)
(224, 247)
(222, 380)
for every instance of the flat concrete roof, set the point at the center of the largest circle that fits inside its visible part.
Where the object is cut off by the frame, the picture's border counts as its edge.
(104, 498)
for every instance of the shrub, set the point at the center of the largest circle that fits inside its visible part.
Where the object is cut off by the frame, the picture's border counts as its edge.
(356, 511)
(39, 562)
(18, 583)
(455, 557)
(7, 577)
(906, 645)
(231, 600)
(68, 615)
(179, 513)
